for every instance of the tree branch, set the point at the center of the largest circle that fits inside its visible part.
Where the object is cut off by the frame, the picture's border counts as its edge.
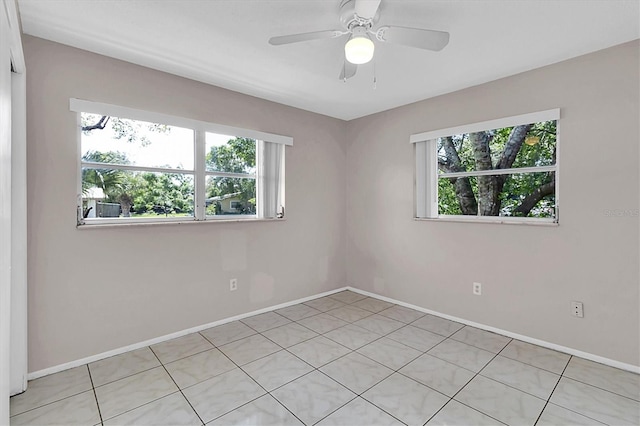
(534, 198)
(100, 125)
(512, 147)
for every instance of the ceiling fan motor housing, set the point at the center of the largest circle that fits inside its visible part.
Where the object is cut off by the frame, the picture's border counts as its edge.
(349, 19)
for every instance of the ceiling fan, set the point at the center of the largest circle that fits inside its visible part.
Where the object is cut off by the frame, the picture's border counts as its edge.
(358, 18)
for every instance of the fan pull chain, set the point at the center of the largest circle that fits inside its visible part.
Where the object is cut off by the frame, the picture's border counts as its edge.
(375, 80)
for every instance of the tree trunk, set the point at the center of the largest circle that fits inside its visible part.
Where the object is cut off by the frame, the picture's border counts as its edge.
(488, 191)
(464, 191)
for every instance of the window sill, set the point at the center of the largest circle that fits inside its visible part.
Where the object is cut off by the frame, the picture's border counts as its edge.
(491, 220)
(98, 225)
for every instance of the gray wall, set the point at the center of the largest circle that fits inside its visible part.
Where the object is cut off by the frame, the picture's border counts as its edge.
(94, 290)
(529, 274)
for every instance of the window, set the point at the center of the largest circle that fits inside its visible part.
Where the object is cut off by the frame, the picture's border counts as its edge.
(137, 166)
(497, 171)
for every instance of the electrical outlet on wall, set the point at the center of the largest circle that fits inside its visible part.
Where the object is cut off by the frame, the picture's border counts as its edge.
(233, 284)
(477, 289)
(576, 309)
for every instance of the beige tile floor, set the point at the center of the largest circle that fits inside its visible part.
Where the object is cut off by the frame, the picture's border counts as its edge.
(344, 359)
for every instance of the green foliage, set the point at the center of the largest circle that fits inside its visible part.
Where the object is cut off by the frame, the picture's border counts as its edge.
(105, 179)
(169, 194)
(238, 155)
(516, 186)
(161, 193)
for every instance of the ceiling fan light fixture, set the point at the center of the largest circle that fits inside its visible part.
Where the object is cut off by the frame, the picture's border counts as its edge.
(359, 50)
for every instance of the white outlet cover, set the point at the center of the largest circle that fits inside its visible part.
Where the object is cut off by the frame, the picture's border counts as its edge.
(477, 289)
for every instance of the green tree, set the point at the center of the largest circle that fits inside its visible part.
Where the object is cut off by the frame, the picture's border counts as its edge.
(145, 192)
(238, 155)
(162, 193)
(492, 195)
(105, 179)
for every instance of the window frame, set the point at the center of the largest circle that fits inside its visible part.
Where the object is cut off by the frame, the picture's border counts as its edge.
(199, 172)
(427, 174)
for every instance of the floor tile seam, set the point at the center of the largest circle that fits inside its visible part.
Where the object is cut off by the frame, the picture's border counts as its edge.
(142, 405)
(177, 386)
(518, 389)
(326, 363)
(412, 359)
(318, 421)
(469, 381)
(182, 357)
(234, 409)
(417, 381)
(387, 316)
(573, 411)
(431, 331)
(260, 334)
(582, 414)
(266, 392)
(297, 343)
(435, 346)
(358, 395)
(602, 389)
(478, 372)
(354, 350)
(407, 325)
(309, 328)
(476, 346)
(553, 390)
(529, 364)
(282, 404)
(345, 320)
(325, 335)
(53, 402)
(93, 388)
(342, 384)
(127, 376)
(385, 411)
(242, 320)
(468, 406)
(225, 343)
(439, 359)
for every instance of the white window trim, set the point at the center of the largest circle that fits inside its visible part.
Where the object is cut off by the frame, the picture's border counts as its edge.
(199, 172)
(427, 174)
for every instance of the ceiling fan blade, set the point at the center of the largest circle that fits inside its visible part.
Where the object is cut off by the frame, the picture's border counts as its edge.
(367, 9)
(295, 38)
(414, 37)
(348, 70)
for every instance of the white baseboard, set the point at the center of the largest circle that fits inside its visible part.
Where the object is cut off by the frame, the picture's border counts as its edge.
(118, 351)
(596, 358)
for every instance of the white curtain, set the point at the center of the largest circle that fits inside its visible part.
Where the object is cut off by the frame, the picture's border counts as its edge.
(270, 179)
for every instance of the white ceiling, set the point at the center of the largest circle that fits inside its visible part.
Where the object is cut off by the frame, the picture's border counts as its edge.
(224, 42)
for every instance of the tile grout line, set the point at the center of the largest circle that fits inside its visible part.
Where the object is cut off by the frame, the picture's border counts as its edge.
(554, 389)
(329, 377)
(95, 395)
(470, 380)
(568, 409)
(248, 375)
(174, 382)
(359, 395)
